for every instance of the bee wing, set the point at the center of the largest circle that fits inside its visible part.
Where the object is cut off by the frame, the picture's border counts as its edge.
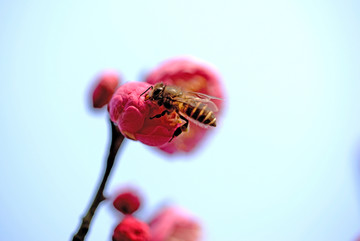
(190, 99)
(202, 96)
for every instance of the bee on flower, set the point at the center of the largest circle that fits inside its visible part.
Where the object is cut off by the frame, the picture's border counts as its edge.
(172, 108)
(195, 106)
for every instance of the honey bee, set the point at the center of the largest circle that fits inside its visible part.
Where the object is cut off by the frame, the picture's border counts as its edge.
(195, 106)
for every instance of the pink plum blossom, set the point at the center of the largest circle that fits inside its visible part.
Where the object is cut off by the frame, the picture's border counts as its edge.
(191, 75)
(132, 115)
(172, 223)
(131, 229)
(105, 87)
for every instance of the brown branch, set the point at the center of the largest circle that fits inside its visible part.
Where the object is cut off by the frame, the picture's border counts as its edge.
(116, 141)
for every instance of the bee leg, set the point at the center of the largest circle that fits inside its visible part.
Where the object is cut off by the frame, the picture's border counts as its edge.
(181, 128)
(186, 124)
(162, 114)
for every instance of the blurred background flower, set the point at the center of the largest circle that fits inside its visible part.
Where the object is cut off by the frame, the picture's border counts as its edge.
(173, 223)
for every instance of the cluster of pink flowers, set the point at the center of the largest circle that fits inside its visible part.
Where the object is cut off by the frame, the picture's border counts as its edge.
(130, 111)
(169, 110)
(170, 223)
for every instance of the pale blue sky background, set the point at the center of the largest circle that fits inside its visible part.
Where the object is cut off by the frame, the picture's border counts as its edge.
(283, 165)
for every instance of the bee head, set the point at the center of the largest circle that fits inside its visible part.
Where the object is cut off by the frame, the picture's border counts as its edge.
(156, 92)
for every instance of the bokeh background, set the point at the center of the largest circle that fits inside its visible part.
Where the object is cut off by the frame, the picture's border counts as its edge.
(282, 165)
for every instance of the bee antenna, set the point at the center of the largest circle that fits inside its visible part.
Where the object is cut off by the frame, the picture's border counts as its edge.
(151, 87)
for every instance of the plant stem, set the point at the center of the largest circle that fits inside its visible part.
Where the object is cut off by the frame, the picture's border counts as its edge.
(116, 141)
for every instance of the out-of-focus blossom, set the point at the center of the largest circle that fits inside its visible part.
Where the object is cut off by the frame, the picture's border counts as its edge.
(132, 115)
(131, 229)
(105, 87)
(127, 202)
(190, 75)
(172, 223)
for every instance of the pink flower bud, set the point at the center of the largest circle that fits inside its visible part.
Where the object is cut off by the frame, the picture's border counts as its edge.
(131, 229)
(132, 114)
(105, 87)
(174, 224)
(127, 202)
(191, 75)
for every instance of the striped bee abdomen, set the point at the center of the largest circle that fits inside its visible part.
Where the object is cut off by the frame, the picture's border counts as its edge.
(198, 111)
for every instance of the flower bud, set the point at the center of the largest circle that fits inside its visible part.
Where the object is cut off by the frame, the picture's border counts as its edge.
(105, 87)
(127, 202)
